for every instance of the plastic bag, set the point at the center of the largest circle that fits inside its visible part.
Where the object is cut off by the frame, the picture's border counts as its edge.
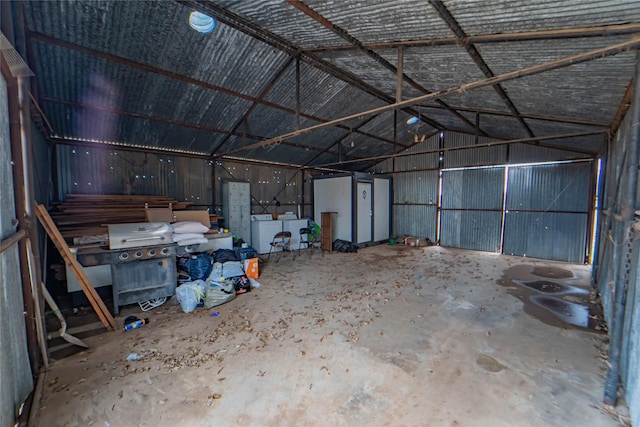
(189, 295)
(197, 265)
(219, 293)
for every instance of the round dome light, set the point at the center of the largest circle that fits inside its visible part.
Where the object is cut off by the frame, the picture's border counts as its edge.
(201, 22)
(412, 120)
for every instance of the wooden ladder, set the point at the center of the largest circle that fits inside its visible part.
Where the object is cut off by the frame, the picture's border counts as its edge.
(96, 302)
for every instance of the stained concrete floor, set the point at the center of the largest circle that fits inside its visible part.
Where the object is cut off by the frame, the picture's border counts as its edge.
(388, 336)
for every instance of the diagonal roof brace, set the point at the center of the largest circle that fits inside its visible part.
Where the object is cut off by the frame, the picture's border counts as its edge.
(355, 42)
(591, 55)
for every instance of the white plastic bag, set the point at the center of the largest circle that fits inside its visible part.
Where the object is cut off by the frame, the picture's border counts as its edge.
(189, 295)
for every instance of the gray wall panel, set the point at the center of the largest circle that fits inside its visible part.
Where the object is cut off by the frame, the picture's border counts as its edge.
(477, 230)
(557, 236)
(15, 370)
(418, 221)
(496, 155)
(473, 188)
(415, 187)
(83, 170)
(563, 187)
(604, 270)
(267, 182)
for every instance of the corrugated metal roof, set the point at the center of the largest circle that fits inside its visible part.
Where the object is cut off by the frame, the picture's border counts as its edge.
(174, 88)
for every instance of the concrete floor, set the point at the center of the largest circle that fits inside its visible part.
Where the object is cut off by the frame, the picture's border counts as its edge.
(389, 336)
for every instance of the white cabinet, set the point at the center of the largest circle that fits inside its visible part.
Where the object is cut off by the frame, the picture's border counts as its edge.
(263, 228)
(236, 208)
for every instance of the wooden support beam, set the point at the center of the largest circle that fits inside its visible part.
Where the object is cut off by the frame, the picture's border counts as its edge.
(12, 240)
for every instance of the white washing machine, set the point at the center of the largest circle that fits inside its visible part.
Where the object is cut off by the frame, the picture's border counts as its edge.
(263, 228)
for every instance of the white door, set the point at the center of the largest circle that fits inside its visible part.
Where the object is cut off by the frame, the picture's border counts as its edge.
(364, 212)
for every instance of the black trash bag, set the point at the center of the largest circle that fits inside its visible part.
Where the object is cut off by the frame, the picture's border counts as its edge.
(224, 255)
(344, 246)
(197, 265)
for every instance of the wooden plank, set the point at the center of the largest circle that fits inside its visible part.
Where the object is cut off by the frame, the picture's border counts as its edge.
(96, 302)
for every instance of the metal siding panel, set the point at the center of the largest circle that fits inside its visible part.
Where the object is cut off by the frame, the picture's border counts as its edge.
(419, 161)
(419, 221)
(546, 235)
(415, 188)
(473, 188)
(267, 182)
(588, 91)
(604, 273)
(475, 230)
(84, 170)
(506, 16)
(285, 21)
(15, 370)
(528, 153)
(559, 187)
(374, 21)
(464, 192)
(471, 157)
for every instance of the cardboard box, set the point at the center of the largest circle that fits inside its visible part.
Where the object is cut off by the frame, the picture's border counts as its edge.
(415, 241)
(251, 267)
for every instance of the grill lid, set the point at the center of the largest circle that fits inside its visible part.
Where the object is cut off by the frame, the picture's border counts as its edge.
(123, 236)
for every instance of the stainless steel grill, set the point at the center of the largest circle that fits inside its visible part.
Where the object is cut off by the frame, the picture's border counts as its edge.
(142, 259)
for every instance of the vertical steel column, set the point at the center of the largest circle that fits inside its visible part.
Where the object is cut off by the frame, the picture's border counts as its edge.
(621, 252)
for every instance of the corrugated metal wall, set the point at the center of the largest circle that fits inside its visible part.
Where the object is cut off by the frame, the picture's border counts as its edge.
(603, 272)
(415, 190)
(547, 211)
(471, 216)
(108, 171)
(269, 185)
(15, 373)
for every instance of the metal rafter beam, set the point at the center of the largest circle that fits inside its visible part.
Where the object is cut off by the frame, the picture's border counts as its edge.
(562, 34)
(253, 106)
(527, 116)
(623, 108)
(448, 18)
(176, 76)
(240, 23)
(512, 75)
(534, 140)
(338, 141)
(376, 57)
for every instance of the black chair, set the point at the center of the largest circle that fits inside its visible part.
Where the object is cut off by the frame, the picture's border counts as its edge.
(312, 240)
(281, 242)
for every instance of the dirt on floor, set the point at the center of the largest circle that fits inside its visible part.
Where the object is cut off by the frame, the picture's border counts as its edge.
(387, 336)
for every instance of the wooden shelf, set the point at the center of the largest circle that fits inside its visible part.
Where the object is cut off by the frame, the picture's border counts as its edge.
(326, 231)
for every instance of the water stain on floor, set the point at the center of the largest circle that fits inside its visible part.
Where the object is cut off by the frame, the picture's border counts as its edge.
(553, 272)
(488, 363)
(568, 312)
(550, 301)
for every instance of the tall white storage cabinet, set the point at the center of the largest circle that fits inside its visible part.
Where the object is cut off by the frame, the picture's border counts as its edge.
(362, 203)
(236, 208)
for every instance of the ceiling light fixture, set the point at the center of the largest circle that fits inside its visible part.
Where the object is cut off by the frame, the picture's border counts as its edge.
(412, 120)
(201, 22)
